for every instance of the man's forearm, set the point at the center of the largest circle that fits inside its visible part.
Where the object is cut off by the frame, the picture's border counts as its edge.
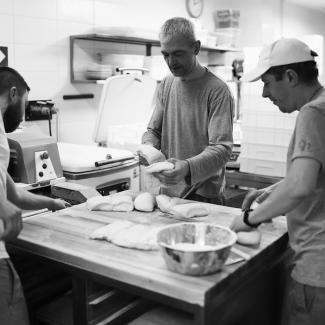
(278, 203)
(29, 201)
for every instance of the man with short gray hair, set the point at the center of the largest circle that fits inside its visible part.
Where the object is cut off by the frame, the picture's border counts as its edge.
(192, 120)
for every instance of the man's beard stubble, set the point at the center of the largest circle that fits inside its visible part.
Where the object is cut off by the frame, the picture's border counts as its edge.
(12, 117)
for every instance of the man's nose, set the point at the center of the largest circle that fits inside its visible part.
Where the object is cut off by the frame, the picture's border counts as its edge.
(171, 60)
(265, 93)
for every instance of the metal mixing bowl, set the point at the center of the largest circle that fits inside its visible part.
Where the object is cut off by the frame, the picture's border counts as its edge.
(195, 248)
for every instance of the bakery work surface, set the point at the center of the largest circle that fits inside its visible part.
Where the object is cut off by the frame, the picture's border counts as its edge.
(224, 297)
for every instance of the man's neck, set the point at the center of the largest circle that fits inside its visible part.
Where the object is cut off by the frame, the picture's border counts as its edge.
(308, 94)
(197, 73)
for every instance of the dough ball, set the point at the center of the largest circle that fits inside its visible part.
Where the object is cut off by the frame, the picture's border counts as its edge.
(249, 238)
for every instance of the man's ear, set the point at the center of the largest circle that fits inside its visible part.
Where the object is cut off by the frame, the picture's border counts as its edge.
(13, 94)
(292, 77)
(197, 47)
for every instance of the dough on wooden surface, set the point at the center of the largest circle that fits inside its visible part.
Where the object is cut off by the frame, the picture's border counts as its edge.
(145, 202)
(109, 231)
(190, 210)
(159, 167)
(128, 234)
(250, 238)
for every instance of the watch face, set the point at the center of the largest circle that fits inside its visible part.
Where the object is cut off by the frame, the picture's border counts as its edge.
(194, 7)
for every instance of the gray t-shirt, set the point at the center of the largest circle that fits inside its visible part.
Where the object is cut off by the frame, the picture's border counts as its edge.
(306, 223)
(193, 120)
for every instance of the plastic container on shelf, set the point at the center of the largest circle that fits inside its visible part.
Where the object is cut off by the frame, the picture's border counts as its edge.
(262, 167)
(268, 119)
(226, 18)
(268, 136)
(264, 152)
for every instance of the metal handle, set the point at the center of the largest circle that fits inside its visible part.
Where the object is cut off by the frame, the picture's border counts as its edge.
(143, 70)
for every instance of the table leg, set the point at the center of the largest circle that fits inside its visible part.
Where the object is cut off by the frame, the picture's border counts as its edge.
(80, 301)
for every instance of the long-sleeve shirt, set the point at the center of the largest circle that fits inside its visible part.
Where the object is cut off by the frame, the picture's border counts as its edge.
(193, 121)
(4, 161)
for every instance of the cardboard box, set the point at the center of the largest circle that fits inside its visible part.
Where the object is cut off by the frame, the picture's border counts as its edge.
(226, 18)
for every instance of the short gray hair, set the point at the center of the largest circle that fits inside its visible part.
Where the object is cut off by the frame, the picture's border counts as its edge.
(177, 26)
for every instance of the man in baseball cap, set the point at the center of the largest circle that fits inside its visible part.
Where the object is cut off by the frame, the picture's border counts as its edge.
(289, 72)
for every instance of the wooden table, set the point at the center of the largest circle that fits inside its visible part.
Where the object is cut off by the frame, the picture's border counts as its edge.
(242, 291)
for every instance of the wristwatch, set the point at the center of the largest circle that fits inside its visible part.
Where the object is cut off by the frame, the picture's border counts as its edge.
(247, 222)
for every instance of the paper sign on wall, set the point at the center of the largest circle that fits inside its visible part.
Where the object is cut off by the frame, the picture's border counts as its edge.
(3, 56)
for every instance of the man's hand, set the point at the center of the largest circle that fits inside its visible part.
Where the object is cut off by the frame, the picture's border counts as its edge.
(175, 175)
(10, 216)
(239, 225)
(59, 204)
(254, 195)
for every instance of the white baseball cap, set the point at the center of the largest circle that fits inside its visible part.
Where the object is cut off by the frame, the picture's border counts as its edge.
(281, 52)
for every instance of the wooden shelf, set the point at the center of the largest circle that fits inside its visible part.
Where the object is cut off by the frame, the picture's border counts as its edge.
(146, 43)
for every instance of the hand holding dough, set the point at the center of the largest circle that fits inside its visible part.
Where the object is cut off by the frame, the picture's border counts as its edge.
(150, 154)
(250, 238)
(159, 167)
(145, 202)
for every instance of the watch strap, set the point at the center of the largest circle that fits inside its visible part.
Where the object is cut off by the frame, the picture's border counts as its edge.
(246, 221)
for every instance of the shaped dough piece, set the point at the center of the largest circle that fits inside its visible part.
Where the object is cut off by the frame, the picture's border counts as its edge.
(250, 238)
(101, 203)
(190, 210)
(159, 167)
(150, 154)
(145, 202)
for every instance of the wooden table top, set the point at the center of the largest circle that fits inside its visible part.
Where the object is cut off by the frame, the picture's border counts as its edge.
(62, 236)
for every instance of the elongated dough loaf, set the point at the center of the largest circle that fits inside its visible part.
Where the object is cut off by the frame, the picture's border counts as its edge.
(101, 203)
(190, 210)
(164, 202)
(145, 202)
(159, 167)
(250, 238)
(110, 203)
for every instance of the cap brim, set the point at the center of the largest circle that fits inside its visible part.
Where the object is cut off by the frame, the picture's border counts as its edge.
(254, 74)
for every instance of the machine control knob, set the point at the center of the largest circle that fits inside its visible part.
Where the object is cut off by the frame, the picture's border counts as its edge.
(41, 174)
(125, 186)
(44, 166)
(44, 155)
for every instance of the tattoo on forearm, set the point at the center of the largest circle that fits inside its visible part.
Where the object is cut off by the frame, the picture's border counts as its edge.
(304, 145)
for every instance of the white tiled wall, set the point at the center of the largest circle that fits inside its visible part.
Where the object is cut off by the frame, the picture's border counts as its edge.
(37, 32)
